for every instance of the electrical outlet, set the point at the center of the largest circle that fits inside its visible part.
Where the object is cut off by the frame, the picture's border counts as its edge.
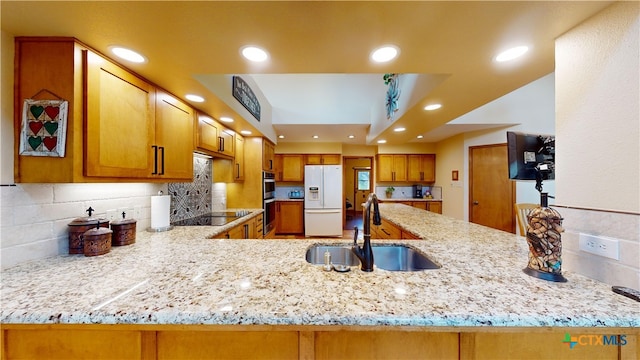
(112, 214)
(601, 246)
(137, 212)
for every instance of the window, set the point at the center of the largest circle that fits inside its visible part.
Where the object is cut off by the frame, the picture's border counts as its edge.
(364, 184)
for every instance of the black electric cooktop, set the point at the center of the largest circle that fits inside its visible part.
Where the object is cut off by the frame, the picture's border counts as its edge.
(216, 218)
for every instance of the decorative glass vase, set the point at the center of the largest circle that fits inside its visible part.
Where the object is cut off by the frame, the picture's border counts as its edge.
(545, 242)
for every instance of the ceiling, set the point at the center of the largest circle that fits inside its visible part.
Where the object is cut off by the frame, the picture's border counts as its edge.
(318, 79)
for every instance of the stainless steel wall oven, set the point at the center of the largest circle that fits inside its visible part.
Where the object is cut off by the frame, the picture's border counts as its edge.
(269, 200)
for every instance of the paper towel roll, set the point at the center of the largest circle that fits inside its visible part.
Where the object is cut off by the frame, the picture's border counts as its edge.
(160, 205)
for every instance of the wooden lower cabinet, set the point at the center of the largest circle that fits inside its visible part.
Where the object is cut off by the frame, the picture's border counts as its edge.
(434, 206)
(227, 345)
(250, 229)
(309, 342)
(289, 217)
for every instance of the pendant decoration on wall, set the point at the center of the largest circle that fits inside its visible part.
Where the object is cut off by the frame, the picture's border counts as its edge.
(393, 93)
(44, 127)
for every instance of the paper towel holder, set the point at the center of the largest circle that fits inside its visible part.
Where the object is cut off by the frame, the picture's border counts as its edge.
(161, 228)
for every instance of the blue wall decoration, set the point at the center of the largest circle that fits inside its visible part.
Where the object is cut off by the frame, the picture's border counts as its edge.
(393, 93)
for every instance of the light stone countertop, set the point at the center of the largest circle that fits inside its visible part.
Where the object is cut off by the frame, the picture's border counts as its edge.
(182, 277)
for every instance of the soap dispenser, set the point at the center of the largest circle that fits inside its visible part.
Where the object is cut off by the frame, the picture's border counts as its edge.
(327, 261)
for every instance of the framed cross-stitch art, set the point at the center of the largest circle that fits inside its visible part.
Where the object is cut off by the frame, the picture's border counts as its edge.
(44, 127)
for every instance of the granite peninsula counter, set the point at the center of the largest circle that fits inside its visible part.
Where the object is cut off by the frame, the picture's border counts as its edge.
(181, 277)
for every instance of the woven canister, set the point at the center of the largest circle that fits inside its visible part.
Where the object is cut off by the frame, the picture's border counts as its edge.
(97, 241)
(79, 226)
(124, 231)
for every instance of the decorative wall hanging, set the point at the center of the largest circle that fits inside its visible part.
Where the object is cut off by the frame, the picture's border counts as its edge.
(393, 93)
(243, 93)
(44, 127)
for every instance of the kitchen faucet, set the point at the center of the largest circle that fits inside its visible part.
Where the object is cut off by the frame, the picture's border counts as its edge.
(365, 253)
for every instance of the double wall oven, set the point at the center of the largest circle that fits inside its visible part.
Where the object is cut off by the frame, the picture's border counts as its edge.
(269, 200)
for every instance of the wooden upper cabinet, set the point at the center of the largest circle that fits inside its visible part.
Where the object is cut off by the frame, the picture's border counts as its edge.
(238, 170)
(323, 159)
(57, 67)
(226, 142)
(117, 127)
(292, 167)
(421, 167)
(277, 166)
(213, 138)
(120, 122)
(174, 136)
(268, 156)
(133, 129)
(392, 167)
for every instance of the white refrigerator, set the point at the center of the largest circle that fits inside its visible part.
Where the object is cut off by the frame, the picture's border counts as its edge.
(323, 200)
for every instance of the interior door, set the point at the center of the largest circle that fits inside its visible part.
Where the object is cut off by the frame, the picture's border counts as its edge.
(362, 187)
(491, 193)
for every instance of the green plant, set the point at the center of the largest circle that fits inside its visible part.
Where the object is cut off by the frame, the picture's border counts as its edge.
(390, 189)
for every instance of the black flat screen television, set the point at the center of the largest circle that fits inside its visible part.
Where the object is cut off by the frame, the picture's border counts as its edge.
(531, 156)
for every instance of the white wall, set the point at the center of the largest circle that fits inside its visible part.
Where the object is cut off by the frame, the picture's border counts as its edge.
(34, 217)
(531, 109)
(598, 141)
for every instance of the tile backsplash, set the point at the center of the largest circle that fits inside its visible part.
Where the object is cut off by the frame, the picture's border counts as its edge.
(193, 198)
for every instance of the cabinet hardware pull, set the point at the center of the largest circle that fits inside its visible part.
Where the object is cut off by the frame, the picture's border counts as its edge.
(162, 160)
(385, 231)
(246, 231)
(220, 143)
(238, 170)
(155, 159)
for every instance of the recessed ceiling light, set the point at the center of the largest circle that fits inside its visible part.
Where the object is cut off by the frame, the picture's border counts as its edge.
(127, 54)
(420, 136)
(194, 98)
(432, 107)
(512, 53)
(254, 53)
(226, 119)
(352, 136)
(280, 136)
(245, 132)
(399, 129)
(382, 141)
(385, 53)
(315, 136)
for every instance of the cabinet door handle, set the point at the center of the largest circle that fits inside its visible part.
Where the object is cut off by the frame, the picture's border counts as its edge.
(155, 159)
(270, 164)
(385, 231)
(161, 160)
(246, 231)
(220, 143)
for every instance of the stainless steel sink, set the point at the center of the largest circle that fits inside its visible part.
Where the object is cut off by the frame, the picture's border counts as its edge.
(392, 257)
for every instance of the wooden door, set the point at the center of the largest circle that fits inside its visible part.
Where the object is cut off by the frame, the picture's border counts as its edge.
(120, 122)
(174, 137)
(491, 193)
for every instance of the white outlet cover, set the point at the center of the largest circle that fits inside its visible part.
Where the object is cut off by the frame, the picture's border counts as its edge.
(600, 245)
